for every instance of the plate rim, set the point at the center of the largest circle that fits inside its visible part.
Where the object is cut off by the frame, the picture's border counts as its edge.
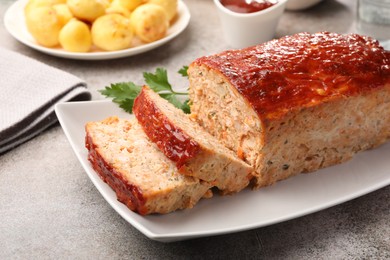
(14, 10)
(131, 217)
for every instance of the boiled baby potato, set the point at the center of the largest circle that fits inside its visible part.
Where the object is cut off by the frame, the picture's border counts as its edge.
(44, 25)
(41, 3)
(75, 36)
(118, 9)
(88, 10)
(170, 7)
(150, 22)
(63, 13)
(130, 5)
(112, 32)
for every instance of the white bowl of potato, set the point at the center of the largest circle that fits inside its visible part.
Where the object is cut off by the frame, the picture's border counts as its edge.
(95, 29)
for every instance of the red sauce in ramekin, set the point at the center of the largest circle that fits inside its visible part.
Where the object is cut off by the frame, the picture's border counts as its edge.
(247, 6)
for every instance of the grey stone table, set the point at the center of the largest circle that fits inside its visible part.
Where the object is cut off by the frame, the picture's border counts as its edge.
(50, 209)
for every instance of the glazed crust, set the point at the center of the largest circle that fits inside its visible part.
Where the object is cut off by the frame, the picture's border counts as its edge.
(195, 152)
(303, 70)
(142, 177)
(175, 143)
(126, 193)
(297, 104)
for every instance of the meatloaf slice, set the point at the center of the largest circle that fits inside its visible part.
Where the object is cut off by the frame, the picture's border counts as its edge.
(295, 104)
(140, 174)
(195, 152)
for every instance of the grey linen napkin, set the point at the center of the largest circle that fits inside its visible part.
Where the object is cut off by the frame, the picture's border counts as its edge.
(28, 92)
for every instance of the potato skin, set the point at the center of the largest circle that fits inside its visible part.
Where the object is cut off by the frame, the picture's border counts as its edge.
(44, 25)
(118, 9)
(112, 32)
(130, 5)
(63, 13)
(170, 7)
(88, 10)
(150, 22)
(41, 3)
(75, 36)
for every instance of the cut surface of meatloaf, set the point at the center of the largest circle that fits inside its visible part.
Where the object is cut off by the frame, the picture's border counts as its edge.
(195, 152)
(140, 174)
(295, 104)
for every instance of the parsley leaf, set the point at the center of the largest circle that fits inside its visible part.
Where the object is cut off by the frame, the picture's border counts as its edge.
(172, 99)
(183, 71)
(158, 81)
(121, 91)
(186, 107)
(124, 93)
(127, 105)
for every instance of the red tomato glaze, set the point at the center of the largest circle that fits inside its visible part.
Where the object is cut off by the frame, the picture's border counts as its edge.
(247, 6)
(127, 193)
(170, 139)
(303, 70)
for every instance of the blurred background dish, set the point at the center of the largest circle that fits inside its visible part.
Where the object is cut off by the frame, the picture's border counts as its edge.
(249, 28)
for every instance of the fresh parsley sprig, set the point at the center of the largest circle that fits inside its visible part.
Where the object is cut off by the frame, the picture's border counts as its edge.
(183, 71)
(124, 93)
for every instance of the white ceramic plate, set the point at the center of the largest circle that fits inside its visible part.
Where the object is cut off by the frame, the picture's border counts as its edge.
(298, 196)
(15, 24)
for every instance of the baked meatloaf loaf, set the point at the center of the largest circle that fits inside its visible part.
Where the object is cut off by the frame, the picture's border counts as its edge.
(295, 104)
(194, 151)
(140, 174)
